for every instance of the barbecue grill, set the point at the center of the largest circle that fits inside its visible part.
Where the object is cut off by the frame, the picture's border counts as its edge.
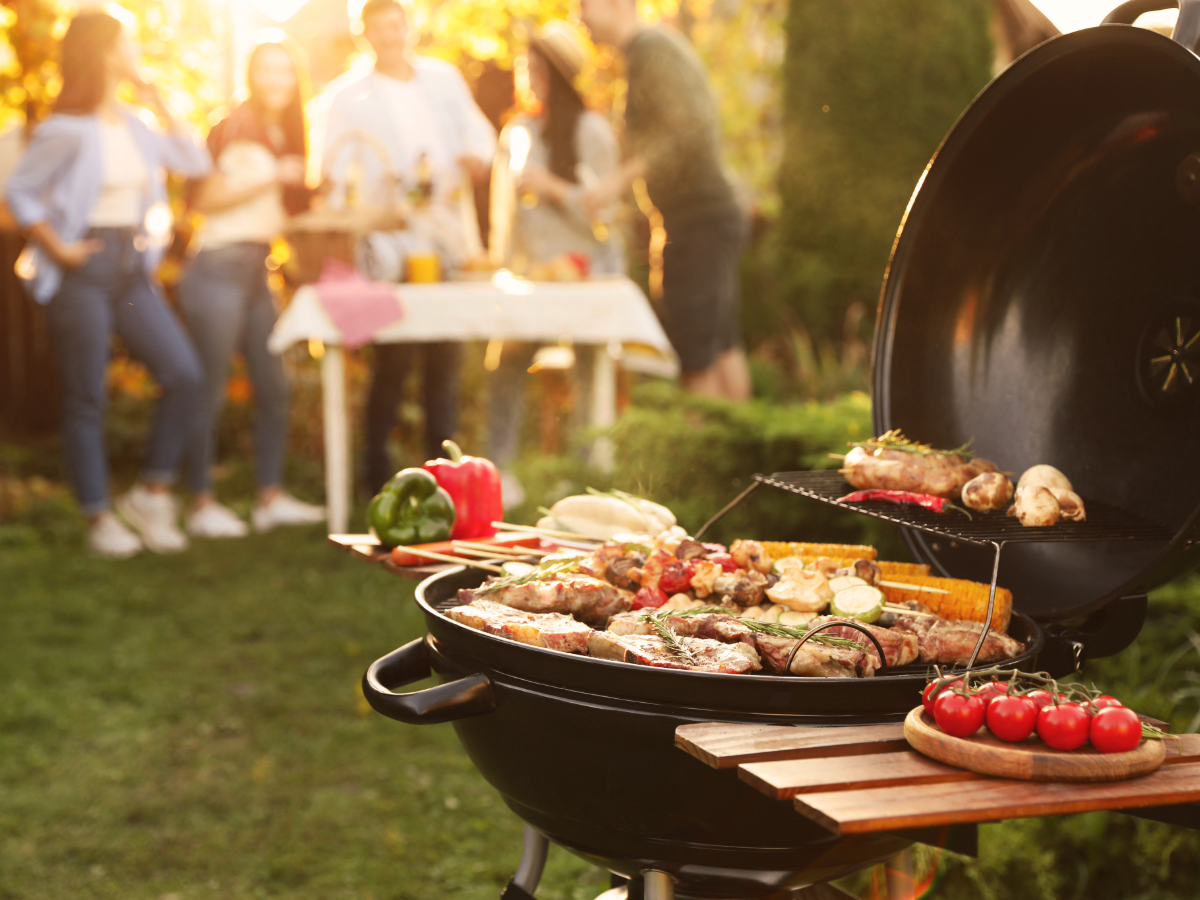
(1043, 299)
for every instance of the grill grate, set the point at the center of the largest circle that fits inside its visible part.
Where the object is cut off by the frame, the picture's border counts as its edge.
(1104, 522)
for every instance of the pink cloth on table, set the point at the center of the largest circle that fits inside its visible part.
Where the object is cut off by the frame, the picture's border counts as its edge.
(358, 306)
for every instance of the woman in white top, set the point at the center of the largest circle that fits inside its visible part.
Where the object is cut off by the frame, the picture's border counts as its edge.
(91, 195)
(259, 150)
(545, 162)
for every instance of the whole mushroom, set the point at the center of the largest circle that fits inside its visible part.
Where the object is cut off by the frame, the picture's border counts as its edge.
(986, 492)
(1035, 506)
(1045, 476)
(1070, 505)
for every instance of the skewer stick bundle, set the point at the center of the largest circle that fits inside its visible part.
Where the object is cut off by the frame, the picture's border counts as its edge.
(924, 588)
(501, 549)
(548, 532)
(459, 561)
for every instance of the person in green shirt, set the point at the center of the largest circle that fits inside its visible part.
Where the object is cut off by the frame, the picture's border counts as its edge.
(672, 140)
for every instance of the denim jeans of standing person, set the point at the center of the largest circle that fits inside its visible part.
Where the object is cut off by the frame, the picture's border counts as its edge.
(111, 293)
(229, 307)
(439, 363)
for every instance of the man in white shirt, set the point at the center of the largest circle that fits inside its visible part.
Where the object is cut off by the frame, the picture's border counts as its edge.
(419, 113)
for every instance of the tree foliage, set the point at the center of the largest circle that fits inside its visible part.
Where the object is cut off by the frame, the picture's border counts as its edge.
(870, 89)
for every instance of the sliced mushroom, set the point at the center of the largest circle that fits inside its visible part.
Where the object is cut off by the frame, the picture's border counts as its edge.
(751, 555)
(689, 549)
(865, 569)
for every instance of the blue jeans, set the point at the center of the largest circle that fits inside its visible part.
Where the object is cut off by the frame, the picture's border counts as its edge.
(229, 307)
(108, 294)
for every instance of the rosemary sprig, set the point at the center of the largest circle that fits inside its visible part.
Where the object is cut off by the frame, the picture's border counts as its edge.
(670, 639)
(793, 631)
(547, 574)
(772, 628)
(895, 440)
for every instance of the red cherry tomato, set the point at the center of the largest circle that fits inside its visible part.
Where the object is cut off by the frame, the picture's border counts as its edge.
(649, 598)
(1012, 719)
(1042, 699)
(1063, 726)
(993, 691)
(1106, 701)
(676, 578)
(725, 561)
(1116, 729)
(959, 715)
(929, 695)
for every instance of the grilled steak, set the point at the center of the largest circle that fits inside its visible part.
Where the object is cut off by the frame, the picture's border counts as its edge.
(940, 474)
(899, 647)
(711, 626)
(553, 631)
(945, 641)
(813, 660)
(649, 650)
(588, 599)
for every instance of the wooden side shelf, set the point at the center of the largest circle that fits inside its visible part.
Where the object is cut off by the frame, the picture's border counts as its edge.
(863, 780)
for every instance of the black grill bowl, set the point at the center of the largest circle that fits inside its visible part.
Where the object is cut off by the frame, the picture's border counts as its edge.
(583, 750)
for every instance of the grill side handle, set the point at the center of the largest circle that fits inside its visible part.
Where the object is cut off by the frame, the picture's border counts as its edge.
(459, 699)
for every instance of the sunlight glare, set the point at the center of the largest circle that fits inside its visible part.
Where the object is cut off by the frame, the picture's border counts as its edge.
(519, 144)
(1072, 15)
(279, 10)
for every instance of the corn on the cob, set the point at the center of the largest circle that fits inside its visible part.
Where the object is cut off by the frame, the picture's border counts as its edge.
(780, 549)
(967, 600)
(886, 569)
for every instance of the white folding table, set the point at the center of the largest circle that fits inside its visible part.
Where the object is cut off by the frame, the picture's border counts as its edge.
(609, 312)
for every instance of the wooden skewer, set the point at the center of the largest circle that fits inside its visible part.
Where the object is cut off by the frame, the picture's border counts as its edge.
(566, 535)
(905, 611)
(924, 588)
(514, 550)
(485, 554)
(442, 557)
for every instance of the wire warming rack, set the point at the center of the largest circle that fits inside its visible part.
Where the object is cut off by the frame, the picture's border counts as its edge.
(1104, 522)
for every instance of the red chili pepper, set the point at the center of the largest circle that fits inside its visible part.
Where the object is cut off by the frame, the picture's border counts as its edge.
(928, 501)
(474, 484)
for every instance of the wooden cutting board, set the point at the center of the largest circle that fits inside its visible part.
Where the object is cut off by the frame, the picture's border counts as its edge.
(1030, 760)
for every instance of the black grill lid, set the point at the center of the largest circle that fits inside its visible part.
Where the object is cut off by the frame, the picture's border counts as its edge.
(1043, 298)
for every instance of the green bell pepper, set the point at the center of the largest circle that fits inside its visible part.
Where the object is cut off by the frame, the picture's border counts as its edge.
(411, 509)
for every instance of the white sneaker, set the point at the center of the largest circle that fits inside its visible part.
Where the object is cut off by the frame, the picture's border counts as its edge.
(284, 509)
(109, 537)
(154, 517)
(213, 520)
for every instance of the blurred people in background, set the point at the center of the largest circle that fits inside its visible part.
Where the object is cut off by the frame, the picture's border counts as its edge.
(672, 140)
(259, 153)
(418, 115)
(91, 196)
(546, 159)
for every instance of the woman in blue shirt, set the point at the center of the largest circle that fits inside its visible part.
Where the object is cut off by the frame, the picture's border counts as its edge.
(90, 194)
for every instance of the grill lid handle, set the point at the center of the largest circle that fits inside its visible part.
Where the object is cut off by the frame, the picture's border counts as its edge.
(1187, 27)
(460, 699)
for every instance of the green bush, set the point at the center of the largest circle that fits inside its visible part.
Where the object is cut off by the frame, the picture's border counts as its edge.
(870, 90)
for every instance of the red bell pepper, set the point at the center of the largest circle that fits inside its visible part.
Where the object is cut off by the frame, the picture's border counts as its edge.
(474, 484)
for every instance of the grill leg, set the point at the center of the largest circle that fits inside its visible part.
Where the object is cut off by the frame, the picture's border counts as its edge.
(658, 885)
(529, 869)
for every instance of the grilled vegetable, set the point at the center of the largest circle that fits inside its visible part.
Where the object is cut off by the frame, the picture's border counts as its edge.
(1044, 476)
(780, 549)
(845, 581)
(804, 591)
(967, 600)
(860, 601)
(1070, 505)
(1036, 506)
(931, 502)
(987, 492)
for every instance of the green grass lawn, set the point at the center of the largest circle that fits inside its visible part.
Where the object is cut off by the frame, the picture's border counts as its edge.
(191, 727)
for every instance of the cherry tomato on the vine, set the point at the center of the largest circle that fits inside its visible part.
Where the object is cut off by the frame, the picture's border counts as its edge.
(993, 691)
(959, 715)
(649, 597)
(1063, 726)
(930, 694)
(1042, 699)
(676, 578)
(1116, 729)
(1012, 719)
(1106, 701)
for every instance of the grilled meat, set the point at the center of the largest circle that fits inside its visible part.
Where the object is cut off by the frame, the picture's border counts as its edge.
(649, 650)
(946, 642)
(712, 626)
(588, 599)
(813, 660)
(940, 474)
(553, 631)
(899, 647)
